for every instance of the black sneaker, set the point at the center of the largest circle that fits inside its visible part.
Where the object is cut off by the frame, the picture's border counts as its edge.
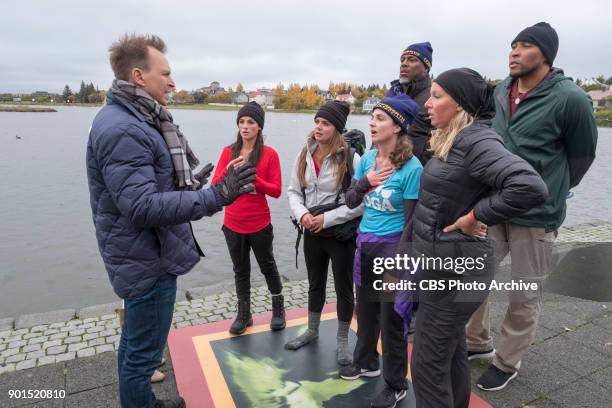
(388, 398)
(353, 372)
(494, 379)
(173, 403)
(472, 355)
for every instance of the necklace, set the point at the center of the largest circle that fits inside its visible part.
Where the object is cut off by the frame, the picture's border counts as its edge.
(517, 100)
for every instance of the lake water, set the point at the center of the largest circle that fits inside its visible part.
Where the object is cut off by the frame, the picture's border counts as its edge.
(49, 257)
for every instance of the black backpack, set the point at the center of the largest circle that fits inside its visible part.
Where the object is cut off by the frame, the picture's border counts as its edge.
(356, 140)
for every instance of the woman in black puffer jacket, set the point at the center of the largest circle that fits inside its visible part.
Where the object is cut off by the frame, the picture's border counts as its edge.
(471, 181)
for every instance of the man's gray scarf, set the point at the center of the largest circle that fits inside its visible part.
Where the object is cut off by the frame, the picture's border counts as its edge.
(183, 159)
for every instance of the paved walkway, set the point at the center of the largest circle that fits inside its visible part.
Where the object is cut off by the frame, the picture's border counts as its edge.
(568, 365)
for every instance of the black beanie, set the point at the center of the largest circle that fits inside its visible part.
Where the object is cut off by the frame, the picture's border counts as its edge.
(253, 110)
(470, 90)
(544, 36)
(336, 112)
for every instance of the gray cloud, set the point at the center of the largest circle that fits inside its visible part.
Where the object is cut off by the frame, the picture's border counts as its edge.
(46, 45)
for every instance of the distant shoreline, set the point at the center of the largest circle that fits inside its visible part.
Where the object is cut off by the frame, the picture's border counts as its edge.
(181, 106)
(603, 116)
(16, 108)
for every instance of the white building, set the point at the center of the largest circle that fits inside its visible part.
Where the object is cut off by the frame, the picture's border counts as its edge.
(369, 104)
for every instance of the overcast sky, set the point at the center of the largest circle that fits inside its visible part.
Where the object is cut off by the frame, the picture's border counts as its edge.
(48, 44)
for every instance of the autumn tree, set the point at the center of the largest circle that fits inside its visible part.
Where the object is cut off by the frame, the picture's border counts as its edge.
(294, 100)
(279, 96)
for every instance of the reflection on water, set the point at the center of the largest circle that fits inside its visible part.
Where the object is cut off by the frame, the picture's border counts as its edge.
(48, 255)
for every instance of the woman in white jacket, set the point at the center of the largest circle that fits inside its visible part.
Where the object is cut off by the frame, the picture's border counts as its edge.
(320, 176)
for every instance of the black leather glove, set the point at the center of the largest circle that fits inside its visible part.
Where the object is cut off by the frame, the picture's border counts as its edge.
(202, 175)
(235, 183)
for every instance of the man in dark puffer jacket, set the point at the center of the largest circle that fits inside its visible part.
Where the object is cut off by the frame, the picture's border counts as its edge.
(143, 195)
(414, 81)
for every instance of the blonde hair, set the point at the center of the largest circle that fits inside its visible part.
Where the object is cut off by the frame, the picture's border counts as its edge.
(340, 161)
(442, 139)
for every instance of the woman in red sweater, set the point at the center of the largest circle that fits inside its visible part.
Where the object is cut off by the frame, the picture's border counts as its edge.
(246, 224)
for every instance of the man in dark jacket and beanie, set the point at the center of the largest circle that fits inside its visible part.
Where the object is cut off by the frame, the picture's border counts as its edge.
(414, 81)
(143, 196)
(547, 120)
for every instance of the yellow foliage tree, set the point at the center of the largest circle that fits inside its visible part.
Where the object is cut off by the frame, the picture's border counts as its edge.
(294, 97)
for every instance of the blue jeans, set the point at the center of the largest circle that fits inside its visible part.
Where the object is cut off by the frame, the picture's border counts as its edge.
(143, 339)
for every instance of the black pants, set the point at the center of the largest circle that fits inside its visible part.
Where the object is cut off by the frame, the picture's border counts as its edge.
(440, 368)
(239, 246)
(376, 318)
(317, 253)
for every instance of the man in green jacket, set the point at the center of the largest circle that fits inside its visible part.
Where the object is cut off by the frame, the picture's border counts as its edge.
(547, 120)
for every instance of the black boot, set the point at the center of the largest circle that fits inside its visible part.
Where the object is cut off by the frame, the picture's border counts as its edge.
(173, 403)
(278, 313)
(243, 318)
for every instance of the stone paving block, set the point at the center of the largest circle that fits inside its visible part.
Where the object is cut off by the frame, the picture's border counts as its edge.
(52, 351)
(3, 346)
(6, 368)
(96, 329)
(112, 339)
(58, 336)
(584, 394)
(564, 352)
(96, 342)
(544, 376)
(37, 319)
(25, 364)
(104, 348)
(30, 348)
(65, 357)
(4, 333)
(76, 332)
(29, 336)
(77, 346)
(15, 358)
(90, 336)
(9, 352)
(18, 343)
(86, 352)
(198, 321)
(594, 337)
(35, 354)
(88, 373)
(57, 325)
(51, 343)
(70, 340)
(13, 338)
(49, 332)
(108, 332)
(37, 340)
(603, 378)
(46, 360)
